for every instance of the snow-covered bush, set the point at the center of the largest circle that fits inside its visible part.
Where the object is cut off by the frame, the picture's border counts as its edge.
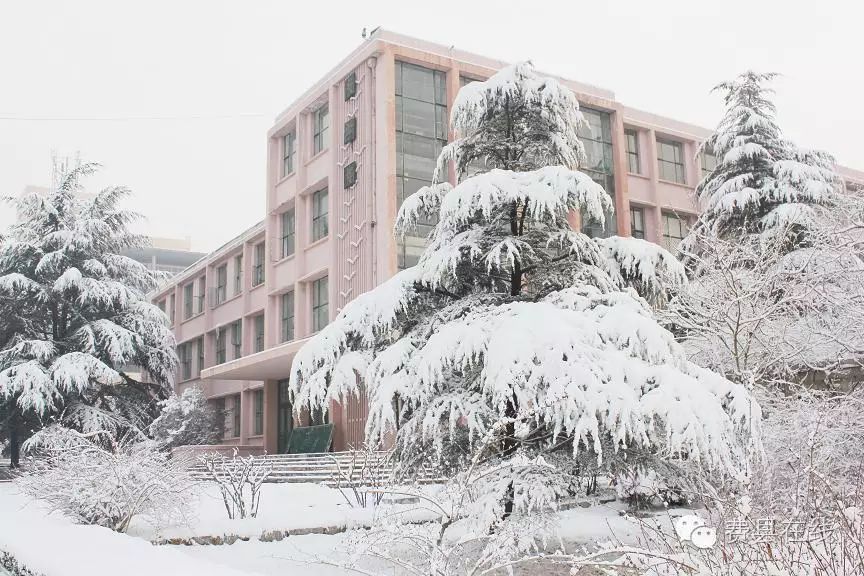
(186, 420)
(94, 479)
(76, 315)
(239, 479)
(777, 280)
(364, 478)
(513, 317)
(814, 450)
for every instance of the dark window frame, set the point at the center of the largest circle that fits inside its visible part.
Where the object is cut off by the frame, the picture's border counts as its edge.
(289, 232)
(320, 128)
(633, 157)
(320, 309)
(676, 163)
(637, 230)
(320, 214)
(288, 319)
(258, 332)
(289, 153)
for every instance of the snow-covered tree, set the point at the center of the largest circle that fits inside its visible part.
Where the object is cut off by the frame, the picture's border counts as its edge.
(186, 419)
(776, 287)
(518, 332)
(75, 313)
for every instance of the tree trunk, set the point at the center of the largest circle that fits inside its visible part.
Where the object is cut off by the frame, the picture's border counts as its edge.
(14, 439)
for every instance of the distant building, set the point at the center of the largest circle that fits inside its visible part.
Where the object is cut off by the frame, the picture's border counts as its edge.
(171, 255)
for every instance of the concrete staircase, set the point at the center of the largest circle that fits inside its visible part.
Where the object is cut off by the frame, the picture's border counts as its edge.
(332, 469)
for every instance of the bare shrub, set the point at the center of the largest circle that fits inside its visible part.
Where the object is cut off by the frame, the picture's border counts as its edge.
(239, 480)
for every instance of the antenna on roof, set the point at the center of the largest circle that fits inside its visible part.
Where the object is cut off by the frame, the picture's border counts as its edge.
(363, 34)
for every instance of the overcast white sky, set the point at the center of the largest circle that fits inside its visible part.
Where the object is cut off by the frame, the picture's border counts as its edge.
(174, 98)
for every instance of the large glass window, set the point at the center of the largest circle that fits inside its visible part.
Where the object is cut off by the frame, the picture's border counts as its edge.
(320, 303)
(674, 230)
(258, 420)
(289, 153)
(184, 354)
(709, 161)
(421, 132)
(172, 308)
(237, 338)
(238, 274)
(202, 292)
(596, 136)
(258, 265)
(319, 214)
(258, 322)
(221, 355)
(235, 415)
(637, 222)
(320, 128)
(632, 139)
(670, 161)
(188, 300)
(221, 283)
(288, 316)
(200, 346)
(288, 233)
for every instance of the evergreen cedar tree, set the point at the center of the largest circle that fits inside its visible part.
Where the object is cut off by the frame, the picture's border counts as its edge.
(75, 317)
(518, 336)
(775, 296)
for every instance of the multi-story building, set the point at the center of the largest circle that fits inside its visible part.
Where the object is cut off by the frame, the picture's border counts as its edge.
(340, 160)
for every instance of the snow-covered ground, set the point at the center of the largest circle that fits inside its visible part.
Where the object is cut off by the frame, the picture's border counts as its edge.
(283, 507)
(26, 531)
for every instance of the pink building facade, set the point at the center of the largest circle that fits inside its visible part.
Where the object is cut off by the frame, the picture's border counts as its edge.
(340, 160)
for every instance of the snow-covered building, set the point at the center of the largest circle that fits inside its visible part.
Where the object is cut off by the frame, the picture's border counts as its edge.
(340, 160)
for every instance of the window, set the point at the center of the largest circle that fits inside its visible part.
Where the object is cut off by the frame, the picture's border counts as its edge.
(670, 161)
(319, 214)
(674, 230)
(258, 420)
(237, 338)
(161, 305)
(258, 265)
(320, 128)
(172, 308)
(188, 300)
(200, 343)
(235, 415)
(349, 175)
(637, 222)
(238, 274)
(220, 408)
(202, 291)
(421, 132)
(632, 139)
(350, 86)
(320, 301)
(596, 136)
(288, 233)
(288, 316)
(258, 321)
(221, 356)
(221, 283)
(350, 132)
(184, 354)
(709, 161)
(289, 153)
